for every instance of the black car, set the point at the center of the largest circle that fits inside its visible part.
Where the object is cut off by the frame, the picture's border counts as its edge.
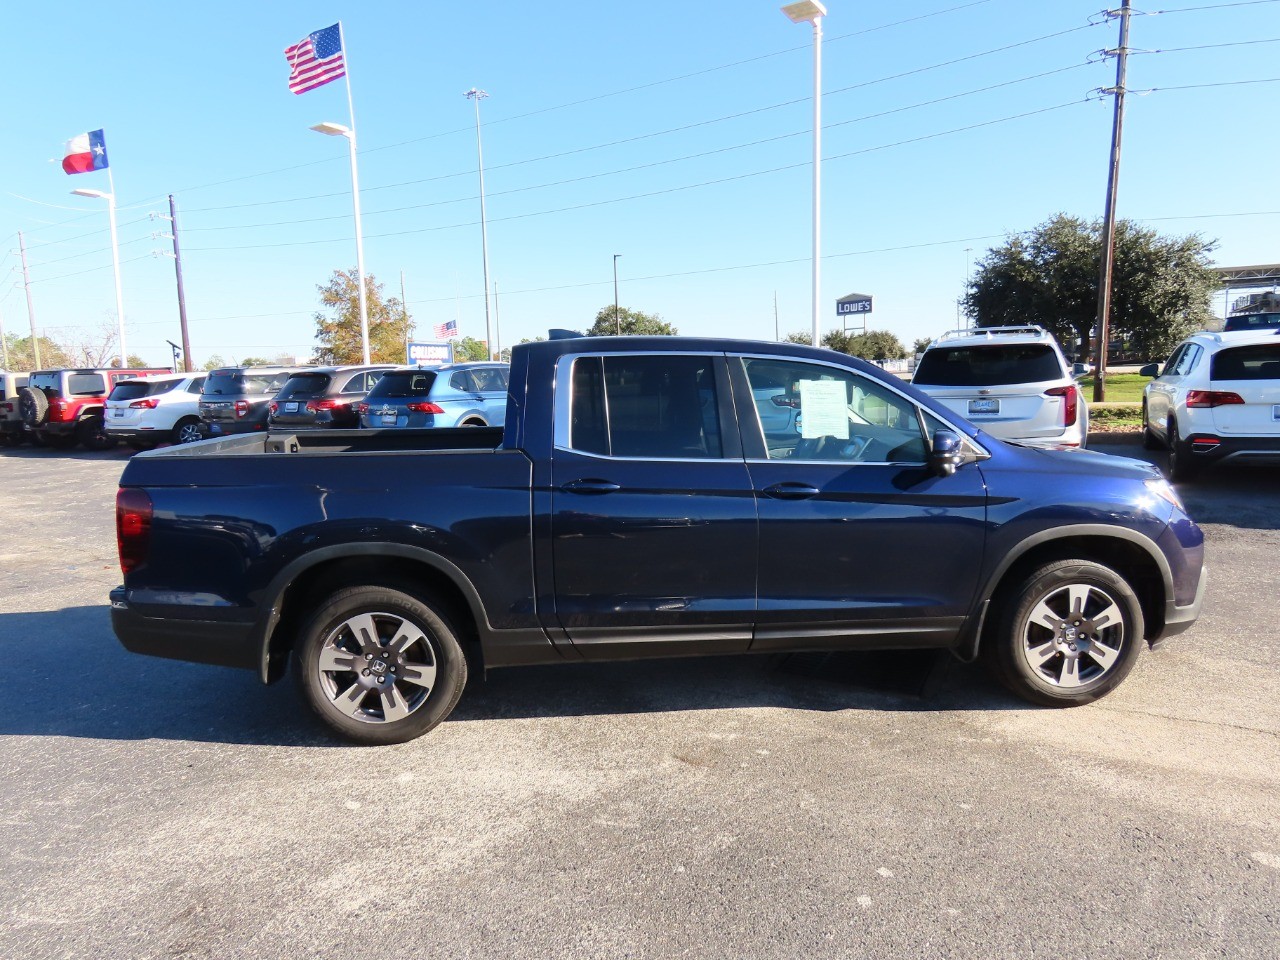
(237, 399)
(324, 398)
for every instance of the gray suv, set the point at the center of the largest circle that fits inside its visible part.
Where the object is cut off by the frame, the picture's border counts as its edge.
(238, 399)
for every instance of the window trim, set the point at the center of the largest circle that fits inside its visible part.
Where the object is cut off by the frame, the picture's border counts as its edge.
(562, 410)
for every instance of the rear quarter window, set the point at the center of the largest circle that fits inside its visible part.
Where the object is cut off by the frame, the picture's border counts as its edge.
(987, 366)
(85, 384)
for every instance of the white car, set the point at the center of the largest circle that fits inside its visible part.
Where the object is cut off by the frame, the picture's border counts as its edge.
(145, 411)
(1012, 382)
(1217, 398)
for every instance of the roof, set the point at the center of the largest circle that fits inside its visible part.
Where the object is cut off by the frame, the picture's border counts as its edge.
(1236, 338)
(1026, 333)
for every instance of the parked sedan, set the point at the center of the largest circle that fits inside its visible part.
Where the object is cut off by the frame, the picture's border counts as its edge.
(1217, 398)
(324, 398)
(455, 395)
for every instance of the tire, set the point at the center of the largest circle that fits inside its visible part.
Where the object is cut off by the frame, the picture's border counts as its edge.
(11, 438)
(1069, 634)
(1149, 439)
(92, 432)
(474, 423)
(1179, 466)
(33, 405)
(186, 430)
(355, 629)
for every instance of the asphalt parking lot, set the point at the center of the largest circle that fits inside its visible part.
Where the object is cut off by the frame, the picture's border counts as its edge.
(851, 806)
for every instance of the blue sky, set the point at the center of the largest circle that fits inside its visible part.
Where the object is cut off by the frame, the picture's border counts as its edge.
(676, 135)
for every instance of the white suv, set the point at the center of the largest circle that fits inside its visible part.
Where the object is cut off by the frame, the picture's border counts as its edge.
(145, 411)
(1217, 398)
(1012, 382)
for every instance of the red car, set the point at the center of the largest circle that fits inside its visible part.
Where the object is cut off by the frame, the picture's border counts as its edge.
(61, 408)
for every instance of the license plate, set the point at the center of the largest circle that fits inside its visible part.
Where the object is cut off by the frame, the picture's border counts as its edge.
(984, 406)
(1275, 411)
(389, 418)
(117, 413)
(291, 407)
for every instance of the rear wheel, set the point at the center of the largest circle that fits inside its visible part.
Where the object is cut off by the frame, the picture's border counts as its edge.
(380, 666)
(1070, 634)
(1149, 441)
(92, 432)
(187, 430)
(474, 423)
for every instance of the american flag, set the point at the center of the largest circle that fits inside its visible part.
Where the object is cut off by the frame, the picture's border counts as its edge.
(446, 330)
(316, 59)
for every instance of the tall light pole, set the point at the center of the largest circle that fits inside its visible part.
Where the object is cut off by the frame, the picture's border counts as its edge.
(810, 11)
(616, 321)
(338, 130)
(477, 96)
(115, 261)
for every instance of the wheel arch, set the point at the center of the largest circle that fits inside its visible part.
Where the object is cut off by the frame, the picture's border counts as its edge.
(300, 587)
(1128, 553)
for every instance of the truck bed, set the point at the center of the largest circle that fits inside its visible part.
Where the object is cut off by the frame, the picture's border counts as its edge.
(317, 442)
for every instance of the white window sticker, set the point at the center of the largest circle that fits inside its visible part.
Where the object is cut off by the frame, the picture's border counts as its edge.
(824, 409)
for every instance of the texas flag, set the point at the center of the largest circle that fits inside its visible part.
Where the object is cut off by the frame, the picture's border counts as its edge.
(85, 153)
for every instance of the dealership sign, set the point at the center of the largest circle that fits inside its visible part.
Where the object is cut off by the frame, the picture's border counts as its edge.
(428, 354)
(853, 303)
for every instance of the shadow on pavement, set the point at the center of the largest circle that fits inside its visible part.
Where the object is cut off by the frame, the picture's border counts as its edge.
(66, 675)
(27, 452)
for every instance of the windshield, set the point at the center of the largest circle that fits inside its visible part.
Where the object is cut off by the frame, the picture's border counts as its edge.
(304, 385)
(404, 383)
(988, 366)
(1253, 321)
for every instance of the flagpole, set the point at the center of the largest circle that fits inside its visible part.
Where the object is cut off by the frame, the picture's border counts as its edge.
(355, 199)
(115, 262)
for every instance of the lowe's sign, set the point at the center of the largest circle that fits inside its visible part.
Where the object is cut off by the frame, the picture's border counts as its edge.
(430, 354)
(853, 303)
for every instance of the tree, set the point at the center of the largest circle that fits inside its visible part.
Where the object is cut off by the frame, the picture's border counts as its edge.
(262, 362)
(872, 345)
(1049, 276)
(631, 322)
(468, 349)
(920, 345)
(338, 330)
(22, 357)
(214, 362)
(800, 337)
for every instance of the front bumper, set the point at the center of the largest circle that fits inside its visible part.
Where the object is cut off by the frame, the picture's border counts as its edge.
(219, 642)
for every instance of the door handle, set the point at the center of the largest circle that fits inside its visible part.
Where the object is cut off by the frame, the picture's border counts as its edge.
(791, 491)
(590, 486)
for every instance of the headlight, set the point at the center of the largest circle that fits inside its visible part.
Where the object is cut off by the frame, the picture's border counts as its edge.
(1164, 490)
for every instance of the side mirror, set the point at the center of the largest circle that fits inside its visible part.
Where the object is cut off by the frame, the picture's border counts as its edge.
(1150, 370)
(947, 453)
(1079, 370)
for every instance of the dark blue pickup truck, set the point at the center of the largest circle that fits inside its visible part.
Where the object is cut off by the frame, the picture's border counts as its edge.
(649, 497)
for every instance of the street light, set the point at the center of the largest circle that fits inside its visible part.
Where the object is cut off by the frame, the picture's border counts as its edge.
(115, 260)
(616, 322)
(477, 96)
(810, 11)
(338, 130)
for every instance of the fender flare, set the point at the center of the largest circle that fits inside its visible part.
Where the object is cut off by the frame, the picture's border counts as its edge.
(967, 648)
(281, 582)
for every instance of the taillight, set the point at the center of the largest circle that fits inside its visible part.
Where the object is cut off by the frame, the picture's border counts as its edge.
(315, 406)
(57, 409)
(1212, 398)
(426, 407)
(242, 408)
(8, 407)
(362, 408)
(133, 527)
(147, 404)
(1070, 403)
(275, 407)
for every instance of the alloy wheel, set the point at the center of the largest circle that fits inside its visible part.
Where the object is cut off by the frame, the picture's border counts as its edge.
(377, 667)
(1073, 636)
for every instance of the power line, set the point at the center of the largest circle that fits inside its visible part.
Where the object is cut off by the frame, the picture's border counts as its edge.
(1207, 46)
(90, 270)
(1202, 86)
(1215, 6)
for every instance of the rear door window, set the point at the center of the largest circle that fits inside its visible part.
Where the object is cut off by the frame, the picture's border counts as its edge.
(1260, 362)
(988, 366)
(86, 384)
(650, 407)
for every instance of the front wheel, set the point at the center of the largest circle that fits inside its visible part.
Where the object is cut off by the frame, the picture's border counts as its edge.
(1179, 465)
(1149, 441)
(379, 666)
(1071, 633)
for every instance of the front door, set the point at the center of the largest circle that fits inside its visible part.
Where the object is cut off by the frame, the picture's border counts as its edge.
(653, 519)
(861, 544)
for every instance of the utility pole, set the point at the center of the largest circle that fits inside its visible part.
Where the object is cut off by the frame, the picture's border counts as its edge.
(497, 327)
(31, 309)
(4, 343)
(404, 310)
(616, 322)
(182, 297)
(776, 334)
(1109, 220)
(478, 95)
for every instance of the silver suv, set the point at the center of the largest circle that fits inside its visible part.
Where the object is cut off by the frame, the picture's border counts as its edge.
(1013, 382)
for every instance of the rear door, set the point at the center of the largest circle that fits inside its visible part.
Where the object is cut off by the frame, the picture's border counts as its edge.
(861, 544)
(653, 521)
(1253, 374)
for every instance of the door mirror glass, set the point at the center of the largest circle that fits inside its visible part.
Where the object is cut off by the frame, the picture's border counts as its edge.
(947, 453)
(1150, 370)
